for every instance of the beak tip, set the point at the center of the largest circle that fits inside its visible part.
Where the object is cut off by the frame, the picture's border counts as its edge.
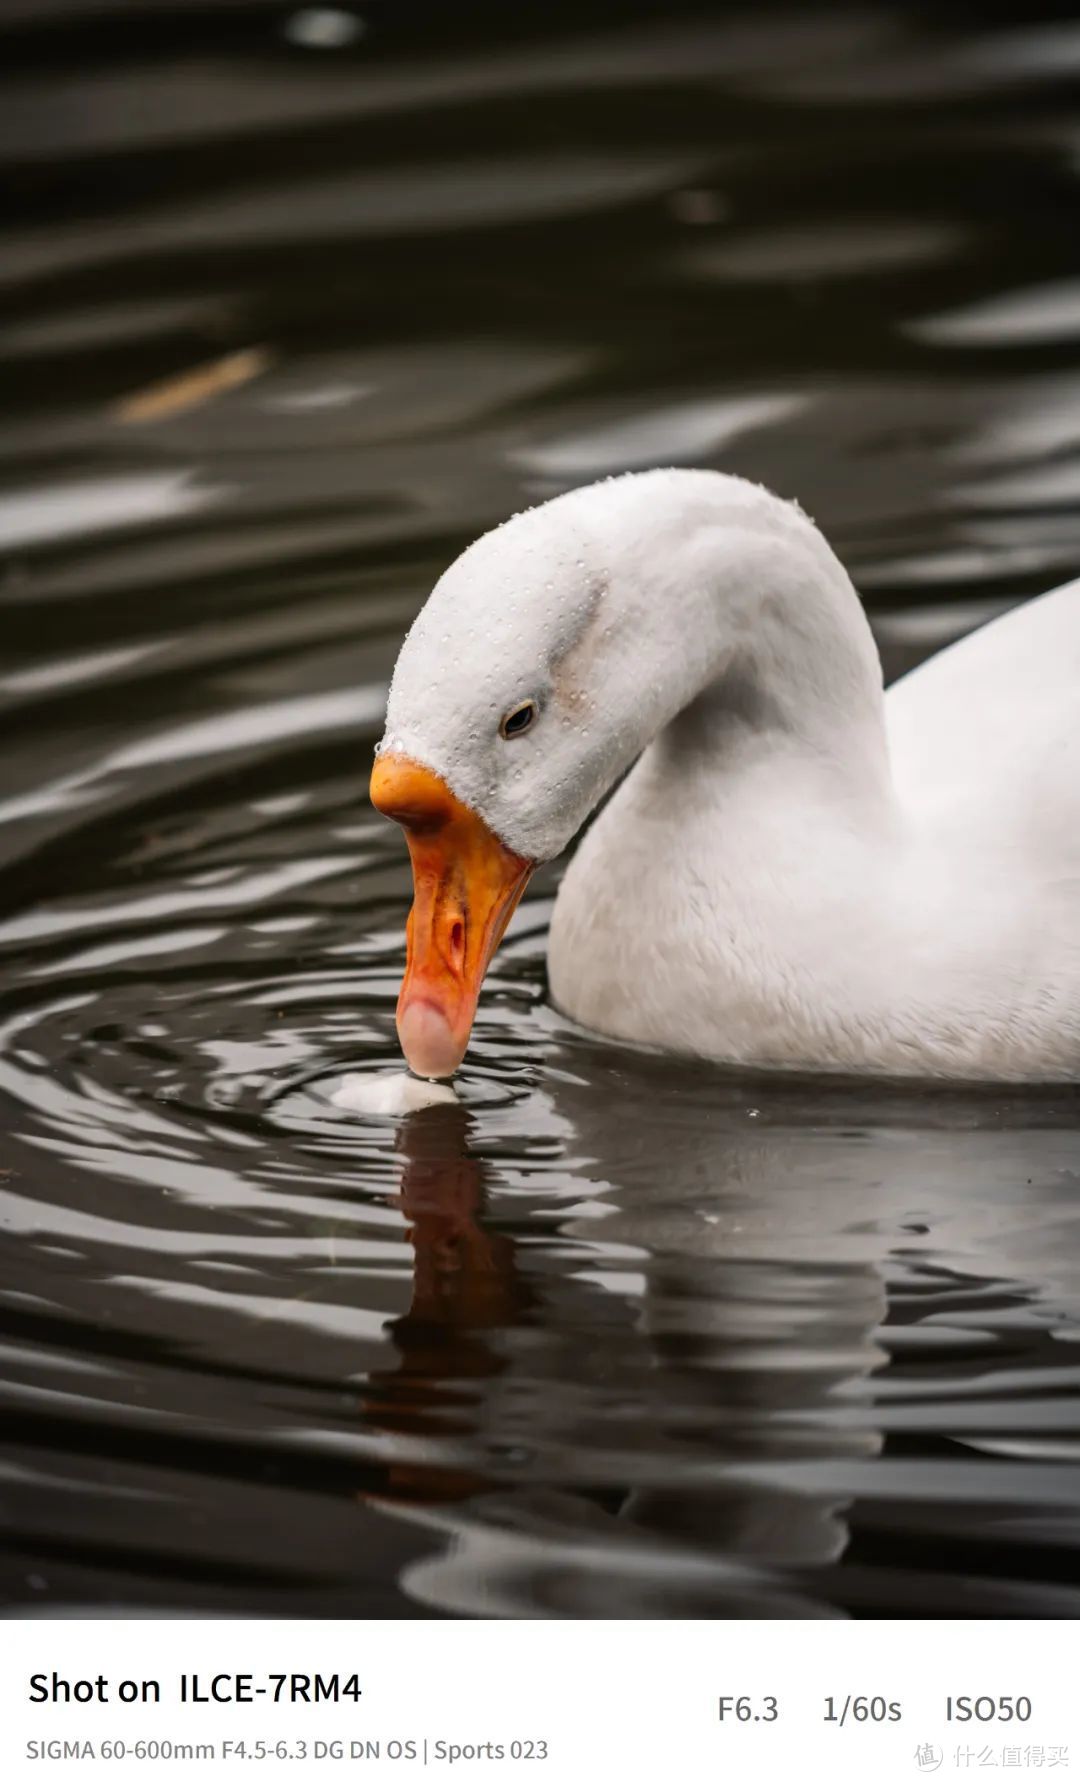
(427, 1040)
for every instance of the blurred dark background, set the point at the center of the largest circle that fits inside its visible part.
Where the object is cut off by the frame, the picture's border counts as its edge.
(567, 218)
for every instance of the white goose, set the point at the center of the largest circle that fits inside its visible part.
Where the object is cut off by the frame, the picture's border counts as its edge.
(800, 870)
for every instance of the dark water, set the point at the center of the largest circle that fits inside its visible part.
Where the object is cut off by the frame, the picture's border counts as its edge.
(619, 1335)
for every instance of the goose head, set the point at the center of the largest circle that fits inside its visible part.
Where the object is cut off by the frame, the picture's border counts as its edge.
(497, 745)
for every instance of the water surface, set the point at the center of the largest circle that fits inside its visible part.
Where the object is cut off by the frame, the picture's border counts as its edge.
(283, 324)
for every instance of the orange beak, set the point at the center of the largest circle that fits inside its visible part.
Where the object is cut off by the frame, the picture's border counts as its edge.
(466, 885)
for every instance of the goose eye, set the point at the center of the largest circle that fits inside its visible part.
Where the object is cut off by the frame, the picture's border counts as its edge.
(518, 719)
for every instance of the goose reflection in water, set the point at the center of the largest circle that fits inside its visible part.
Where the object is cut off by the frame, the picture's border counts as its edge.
(605, 1417)
(466, 1284)
(676, 1401)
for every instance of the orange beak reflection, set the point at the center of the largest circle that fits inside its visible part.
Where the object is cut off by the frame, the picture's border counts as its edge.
(466, 885)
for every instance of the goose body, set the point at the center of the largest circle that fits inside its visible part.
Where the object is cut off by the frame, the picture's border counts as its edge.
(798, 869)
